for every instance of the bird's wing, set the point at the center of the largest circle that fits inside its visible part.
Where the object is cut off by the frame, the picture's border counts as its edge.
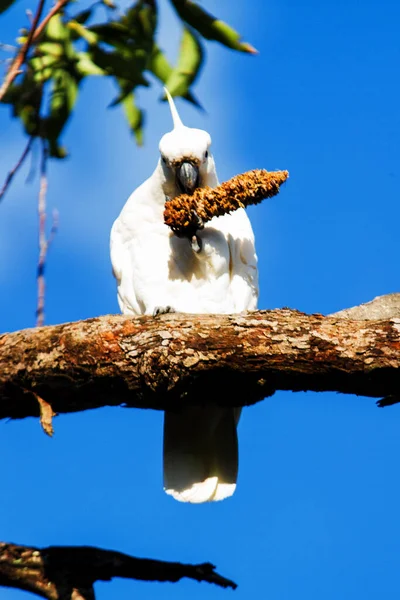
(243, 260)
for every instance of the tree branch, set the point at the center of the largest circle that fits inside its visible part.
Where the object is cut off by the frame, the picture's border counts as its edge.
(158, 363)
(44, 240)
(33, 36)
(16, 167)
(69, 572)
(19, 60)
(53, 11)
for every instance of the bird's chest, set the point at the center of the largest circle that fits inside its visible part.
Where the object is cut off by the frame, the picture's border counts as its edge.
(210, 263)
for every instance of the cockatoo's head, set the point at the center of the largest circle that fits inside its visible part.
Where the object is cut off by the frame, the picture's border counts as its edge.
(185, 155)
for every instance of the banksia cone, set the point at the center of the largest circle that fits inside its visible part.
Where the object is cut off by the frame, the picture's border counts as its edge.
(184, 213)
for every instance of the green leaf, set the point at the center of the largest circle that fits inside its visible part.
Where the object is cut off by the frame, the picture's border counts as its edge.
(113, 33)
(188, 66)
(126, 62)
(209, 26)
(30, 119)
(88, 35)
(47, 56)
(62, 101)
(141, 19)
(119, 65)
(126, 87)
(51, 48)
(5, 4)
(159, 65)
(25, 99)
(134, 117)
(85, 65)
(83, 16)
(56, 30)
(42, 67)
(161, 68)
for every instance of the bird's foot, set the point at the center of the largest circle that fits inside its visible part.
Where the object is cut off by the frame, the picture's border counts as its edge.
(162, 310)
(198, 221)
(196, 244)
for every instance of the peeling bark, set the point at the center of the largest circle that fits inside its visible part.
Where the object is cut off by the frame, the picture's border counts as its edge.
(235, 360)
(69, 572)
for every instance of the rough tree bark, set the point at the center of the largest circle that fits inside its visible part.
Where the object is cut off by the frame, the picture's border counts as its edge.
(160, 362)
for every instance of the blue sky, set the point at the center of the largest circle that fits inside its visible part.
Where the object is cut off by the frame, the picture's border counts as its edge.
(316, 513)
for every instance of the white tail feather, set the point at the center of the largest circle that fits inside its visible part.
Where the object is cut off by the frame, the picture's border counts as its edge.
(200, 453)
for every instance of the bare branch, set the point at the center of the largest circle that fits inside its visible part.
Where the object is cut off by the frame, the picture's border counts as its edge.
(33, 36)
(69, 572)
(17, 166)
(381, 307)
(19, 60)
(42, 238)
(56, 9)
(160, 362)
(44, 241)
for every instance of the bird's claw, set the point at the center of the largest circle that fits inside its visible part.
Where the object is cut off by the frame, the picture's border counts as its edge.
(196, 244)
(162, 310)
(198, 221)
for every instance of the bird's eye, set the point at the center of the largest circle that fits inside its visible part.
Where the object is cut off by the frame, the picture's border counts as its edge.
(164, 160)
(206, 154)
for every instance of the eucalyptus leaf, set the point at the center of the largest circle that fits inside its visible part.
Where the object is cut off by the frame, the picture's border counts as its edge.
(56, 29)
(85, 65)
(5, 4)
(134, 117)
(119, 65)
(62, 101)
(161, 68)
(126, 87)
(188, 66)
(209, 26)
(123, 47)
(84, 15)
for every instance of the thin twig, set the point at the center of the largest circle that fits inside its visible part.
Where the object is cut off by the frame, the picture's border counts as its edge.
(7, 47)
(42, 237)
(13, 171)
(29, 14)
(46, 414)
(44, 241)
(56, 8)
(32, 167)
(33, 35)
(19, 60)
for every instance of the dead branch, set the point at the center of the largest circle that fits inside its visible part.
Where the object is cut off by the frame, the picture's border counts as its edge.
(16, 167)
(148, 362)
(183, 213)
(69, 572)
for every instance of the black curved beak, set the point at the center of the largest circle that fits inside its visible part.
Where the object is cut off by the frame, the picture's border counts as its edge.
(187, 176)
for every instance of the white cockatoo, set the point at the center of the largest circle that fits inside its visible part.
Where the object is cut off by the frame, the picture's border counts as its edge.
(213, 271)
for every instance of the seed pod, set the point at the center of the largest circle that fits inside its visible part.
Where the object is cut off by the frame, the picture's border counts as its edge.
(184, 213)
